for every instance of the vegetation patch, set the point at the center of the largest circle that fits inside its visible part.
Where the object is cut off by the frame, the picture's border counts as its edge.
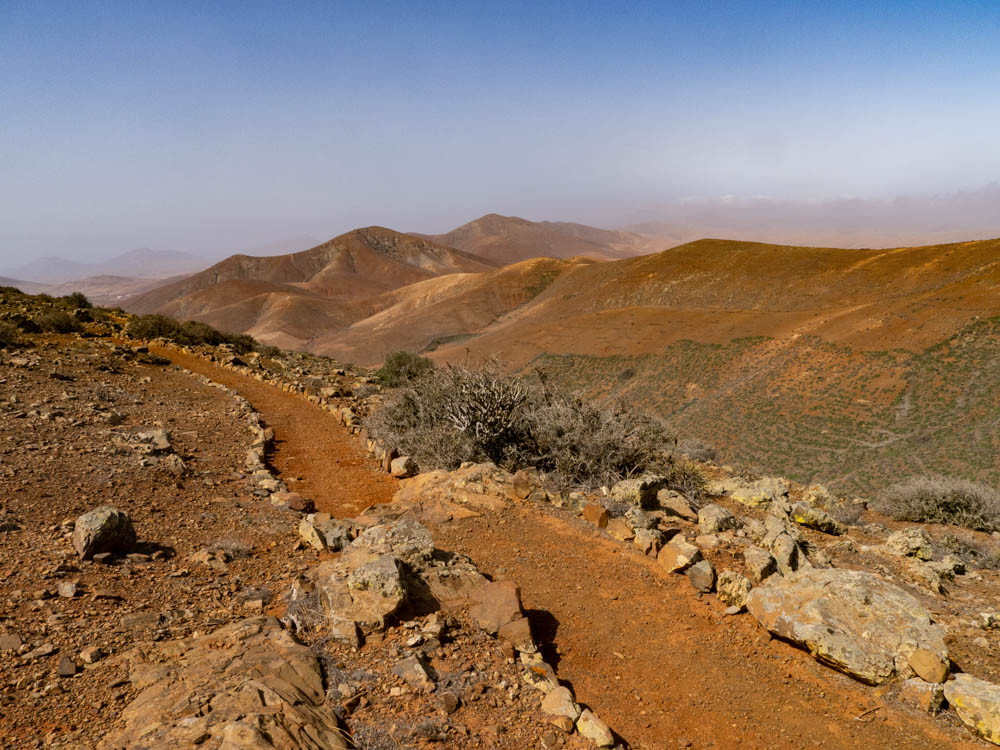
(187, 333)
(447, 416)
(938, 499)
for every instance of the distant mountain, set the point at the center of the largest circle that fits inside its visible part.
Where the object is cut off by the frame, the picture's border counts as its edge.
(27, 287)
(291, 299)
(509, 239)
(143, 263)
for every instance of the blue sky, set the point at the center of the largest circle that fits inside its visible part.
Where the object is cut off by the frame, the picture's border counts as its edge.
(213, 126)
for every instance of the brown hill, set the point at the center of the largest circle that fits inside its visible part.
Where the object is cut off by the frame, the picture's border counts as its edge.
(509, 239)
(289, 299)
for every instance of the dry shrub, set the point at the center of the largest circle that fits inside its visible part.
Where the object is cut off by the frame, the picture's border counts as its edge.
(938, 499)
(9, 335)
(697, 450)
(452, 415)
(58, 321)
(188, 333)
(401, 367)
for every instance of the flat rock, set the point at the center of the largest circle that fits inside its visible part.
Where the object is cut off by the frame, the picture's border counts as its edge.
(496, 604)
(678, 555)
(675, 504)
(850, 620)
(247, 685)
(977, 703)
(595, 730)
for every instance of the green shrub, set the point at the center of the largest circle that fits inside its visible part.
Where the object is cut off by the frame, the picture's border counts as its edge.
(938, 499)
(77, 300)
(9, 335)
(58, 321)
(448, 416)
(402, 367)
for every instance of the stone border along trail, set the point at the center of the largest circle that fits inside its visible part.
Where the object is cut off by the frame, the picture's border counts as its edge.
(662, 665)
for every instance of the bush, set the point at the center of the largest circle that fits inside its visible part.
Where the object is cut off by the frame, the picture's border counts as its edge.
(697, 450)
(9, 335)
(401, 367)
(938, 499)
(446, 417)
(77, 301)
(188, 333)
(58, 321)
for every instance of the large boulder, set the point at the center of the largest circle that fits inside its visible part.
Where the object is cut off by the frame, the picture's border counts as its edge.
(103, 529)
(248, 685)
(851, 620)
(977, 703)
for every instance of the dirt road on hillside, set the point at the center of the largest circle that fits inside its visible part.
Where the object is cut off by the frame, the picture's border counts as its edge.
(662, 665)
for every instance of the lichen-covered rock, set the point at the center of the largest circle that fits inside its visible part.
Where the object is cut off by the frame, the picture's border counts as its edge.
(911, 542)
(851, 620)
(247, 685)
(760, 563)
(733, 588)
(103, 529)
(762, 492)
(814, 518)
(639, 491)
(714, 518)
(977, 703)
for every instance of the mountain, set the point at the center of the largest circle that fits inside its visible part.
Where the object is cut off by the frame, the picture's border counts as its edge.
(140, 264)
(291, 299)
(509, 239)
(27, 287)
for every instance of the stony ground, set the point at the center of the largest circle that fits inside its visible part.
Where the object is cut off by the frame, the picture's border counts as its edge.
(73, 422)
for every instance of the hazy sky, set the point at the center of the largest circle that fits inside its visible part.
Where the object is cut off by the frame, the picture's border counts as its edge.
(210, 126)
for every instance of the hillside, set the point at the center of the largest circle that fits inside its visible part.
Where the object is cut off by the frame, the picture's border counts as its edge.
(509, 239)
(290, 299)
(824, 364)
(142, 263)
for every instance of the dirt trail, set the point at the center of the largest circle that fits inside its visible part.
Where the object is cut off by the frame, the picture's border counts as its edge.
(314, 455)
(660, 664)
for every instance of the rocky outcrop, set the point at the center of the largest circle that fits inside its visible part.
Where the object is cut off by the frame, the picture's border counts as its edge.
(851, 620)
(247, 685)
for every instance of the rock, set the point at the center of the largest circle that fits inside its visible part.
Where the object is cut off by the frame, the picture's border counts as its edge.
(67, 589)
(538, 673)
(639, 491)
(403, 467)
(103, 529)
(595, 514)
(786, 554)
(733, 588)
(175, 465)
(559, 702)
(524, 482)
(929, 666)
(518, 634)
(702, 576)
(706, 541)
(714, 518)
(10, 642)
(911, 542)
(104, 558)
(977, 703)
(156, 441)
(678, 555)
(760, 564)
(413, 672)
(814, 518)
(330, 534)
(762, 492)
(595, 730)
(67, 667)
(449, 702)
(563, 724)
(91, 654)
(648, 541)
(496, 604)
(620, 530)
(675, 504)
(754, 529)
(927, 697)
(639, 519)
(263, 688)
(851, 620)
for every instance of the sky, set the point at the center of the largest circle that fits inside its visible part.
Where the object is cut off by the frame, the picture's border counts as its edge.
(214, 126)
